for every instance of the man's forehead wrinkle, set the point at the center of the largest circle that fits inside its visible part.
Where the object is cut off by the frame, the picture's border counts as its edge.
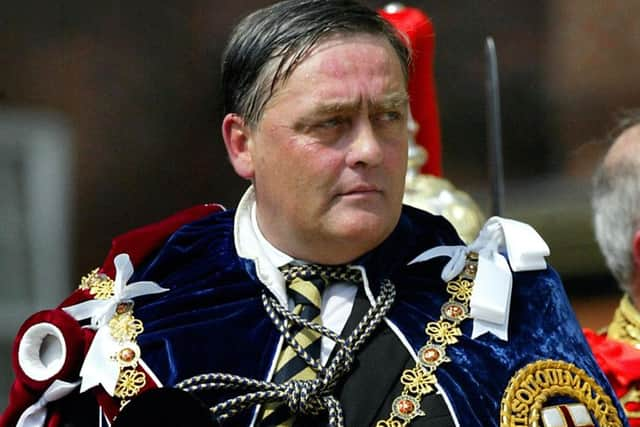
(336, 66)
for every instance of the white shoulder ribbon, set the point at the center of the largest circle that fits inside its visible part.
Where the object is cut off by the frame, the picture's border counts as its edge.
(101, 310)
(99, 366)
(491, 297)
(36, 414)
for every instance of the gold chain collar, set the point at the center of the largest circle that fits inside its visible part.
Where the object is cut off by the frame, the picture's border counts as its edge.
(625, 325)
(420, 381)
(124, 328)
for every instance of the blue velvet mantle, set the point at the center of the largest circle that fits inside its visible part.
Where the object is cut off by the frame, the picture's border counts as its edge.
(213, 320)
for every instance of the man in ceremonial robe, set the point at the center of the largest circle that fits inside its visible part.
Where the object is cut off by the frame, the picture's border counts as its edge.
(616, 218)
(321, 299)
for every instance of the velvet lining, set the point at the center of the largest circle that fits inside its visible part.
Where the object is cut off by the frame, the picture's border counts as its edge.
(213, 320)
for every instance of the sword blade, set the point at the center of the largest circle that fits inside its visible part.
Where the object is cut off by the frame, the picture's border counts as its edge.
(494, 128)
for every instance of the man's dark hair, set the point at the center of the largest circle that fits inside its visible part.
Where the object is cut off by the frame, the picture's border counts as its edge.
(266, 46)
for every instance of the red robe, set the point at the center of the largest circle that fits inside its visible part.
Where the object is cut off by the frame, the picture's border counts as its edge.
(620, 362)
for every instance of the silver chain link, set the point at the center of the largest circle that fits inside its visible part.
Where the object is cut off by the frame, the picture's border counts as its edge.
(301, 396)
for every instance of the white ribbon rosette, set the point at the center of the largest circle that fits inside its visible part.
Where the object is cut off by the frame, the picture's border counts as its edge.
(491, 298)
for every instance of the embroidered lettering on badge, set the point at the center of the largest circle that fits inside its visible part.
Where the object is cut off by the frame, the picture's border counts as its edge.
(560, 391)
(571, 415)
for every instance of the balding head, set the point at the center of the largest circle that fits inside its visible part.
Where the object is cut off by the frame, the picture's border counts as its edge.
(625, 148)
(616, 205)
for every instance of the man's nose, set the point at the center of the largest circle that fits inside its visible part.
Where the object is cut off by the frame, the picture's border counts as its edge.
(365, 148)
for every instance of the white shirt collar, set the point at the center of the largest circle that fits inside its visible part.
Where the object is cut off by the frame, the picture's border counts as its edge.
(273, 254)
(251, 244)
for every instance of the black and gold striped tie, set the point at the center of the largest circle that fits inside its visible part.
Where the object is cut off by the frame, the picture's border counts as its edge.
(305, 284)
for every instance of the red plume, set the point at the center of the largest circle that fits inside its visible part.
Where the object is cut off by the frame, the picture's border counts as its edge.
(422, 92)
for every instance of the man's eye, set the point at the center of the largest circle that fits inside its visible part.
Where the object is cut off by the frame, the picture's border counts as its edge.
(389, 116)
(330, 123)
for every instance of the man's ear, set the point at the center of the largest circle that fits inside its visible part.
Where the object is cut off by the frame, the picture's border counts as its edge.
(237, 140)
(634, 286)
(636, 250)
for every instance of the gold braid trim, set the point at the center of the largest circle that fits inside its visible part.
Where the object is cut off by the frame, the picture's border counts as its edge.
(419, 381)
(532, 386)
(625, 325)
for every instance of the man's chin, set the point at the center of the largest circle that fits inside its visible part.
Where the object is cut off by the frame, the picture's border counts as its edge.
(366, 226)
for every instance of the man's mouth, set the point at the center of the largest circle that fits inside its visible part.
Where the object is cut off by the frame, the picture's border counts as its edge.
(361, 190)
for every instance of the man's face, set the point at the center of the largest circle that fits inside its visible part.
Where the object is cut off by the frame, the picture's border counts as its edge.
(329, 155)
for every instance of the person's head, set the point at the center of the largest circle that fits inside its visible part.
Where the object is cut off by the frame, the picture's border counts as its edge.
(616, 204)
(267, 45)
(315, 95)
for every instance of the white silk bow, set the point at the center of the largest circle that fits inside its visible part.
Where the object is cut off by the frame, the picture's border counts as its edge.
(101, 310)
(100, 367)
(491, 298)
(36, 414)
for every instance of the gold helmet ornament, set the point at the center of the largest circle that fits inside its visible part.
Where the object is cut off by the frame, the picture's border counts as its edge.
(438, 195)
